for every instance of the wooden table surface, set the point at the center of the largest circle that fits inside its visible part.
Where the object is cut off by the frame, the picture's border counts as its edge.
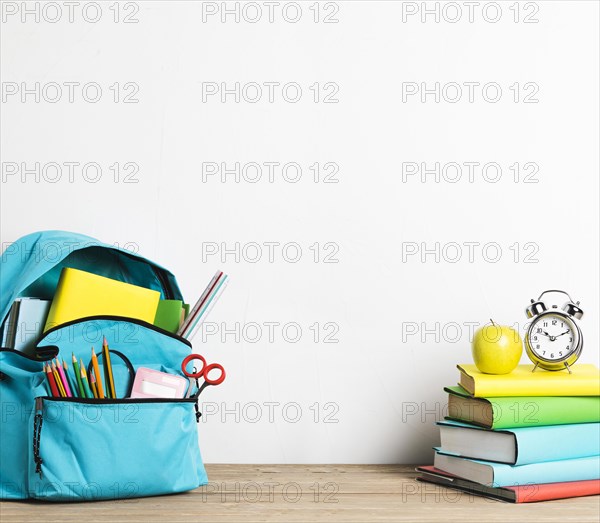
(330, 493)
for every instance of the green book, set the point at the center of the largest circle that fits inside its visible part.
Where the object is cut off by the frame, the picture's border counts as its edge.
(168, 315)
(521, 411)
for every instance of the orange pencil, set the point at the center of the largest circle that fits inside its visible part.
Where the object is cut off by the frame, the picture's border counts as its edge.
(100, 390)
(93, 385)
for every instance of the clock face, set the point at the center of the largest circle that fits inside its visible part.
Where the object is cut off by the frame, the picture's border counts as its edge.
(553, 337)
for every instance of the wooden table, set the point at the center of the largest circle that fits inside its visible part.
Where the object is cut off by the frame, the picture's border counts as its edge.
(324, 493)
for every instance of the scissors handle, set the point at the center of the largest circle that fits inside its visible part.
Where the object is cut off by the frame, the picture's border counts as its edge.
(204, 370)
(192, 357)
(210, 367)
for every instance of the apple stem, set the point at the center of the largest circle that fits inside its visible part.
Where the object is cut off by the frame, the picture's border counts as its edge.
(492, 322)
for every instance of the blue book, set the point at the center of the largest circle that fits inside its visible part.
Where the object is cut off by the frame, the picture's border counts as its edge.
(26, 324)
(502, 475)
(520, 446)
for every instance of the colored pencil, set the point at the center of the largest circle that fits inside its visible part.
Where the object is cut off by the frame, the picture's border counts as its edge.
(78, 378)
(108, 373)
(84, 380)
(93, 384)
(63, 378)
(51, 382)
(72, 386)
(99, 389)
(59, 384)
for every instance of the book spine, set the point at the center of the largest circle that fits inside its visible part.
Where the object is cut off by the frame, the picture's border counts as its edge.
(548, 472)
(550, 491)
(584, 385)
(523, 412)
(554, 443)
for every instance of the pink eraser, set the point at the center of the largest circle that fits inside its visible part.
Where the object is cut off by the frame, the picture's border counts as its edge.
(150, 383)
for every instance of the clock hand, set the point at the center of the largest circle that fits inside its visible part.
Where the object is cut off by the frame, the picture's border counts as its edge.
(551, 338)
(566, 332)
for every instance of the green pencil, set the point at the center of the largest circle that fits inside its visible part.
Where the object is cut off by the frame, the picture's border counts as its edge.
(77, 372)
(84, 380)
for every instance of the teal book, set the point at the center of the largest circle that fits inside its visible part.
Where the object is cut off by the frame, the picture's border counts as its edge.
(520, 446)
(502, 475)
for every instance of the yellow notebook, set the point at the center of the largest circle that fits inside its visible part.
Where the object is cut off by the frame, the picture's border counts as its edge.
(80, 294)
(584, 381)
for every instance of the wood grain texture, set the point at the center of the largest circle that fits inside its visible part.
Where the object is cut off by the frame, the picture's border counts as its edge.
(288, 493)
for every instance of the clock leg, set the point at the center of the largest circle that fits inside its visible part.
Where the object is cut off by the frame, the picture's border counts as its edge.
(536, 365)
(568, 368)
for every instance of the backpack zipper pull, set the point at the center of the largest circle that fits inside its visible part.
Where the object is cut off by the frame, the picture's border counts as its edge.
(37, 431)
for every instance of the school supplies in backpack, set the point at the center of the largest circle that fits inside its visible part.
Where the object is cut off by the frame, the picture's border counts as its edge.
(80, 294)
(120, 432)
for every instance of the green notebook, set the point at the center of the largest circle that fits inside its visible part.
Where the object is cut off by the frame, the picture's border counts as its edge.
(522, 411)
(168, 315)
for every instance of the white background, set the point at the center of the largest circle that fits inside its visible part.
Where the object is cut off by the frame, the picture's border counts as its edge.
(373, 396)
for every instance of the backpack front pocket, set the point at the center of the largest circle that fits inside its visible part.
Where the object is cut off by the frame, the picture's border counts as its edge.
(143, 345)
(108, 449)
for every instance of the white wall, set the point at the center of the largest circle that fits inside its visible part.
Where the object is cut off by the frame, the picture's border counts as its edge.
(384, 391)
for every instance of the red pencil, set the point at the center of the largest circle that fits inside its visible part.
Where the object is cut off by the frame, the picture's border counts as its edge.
(50, 377)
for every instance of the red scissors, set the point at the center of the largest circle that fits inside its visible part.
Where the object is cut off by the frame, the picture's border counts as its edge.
(202, 373)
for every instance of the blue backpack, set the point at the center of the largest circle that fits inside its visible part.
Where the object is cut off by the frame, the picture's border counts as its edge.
(75, 449)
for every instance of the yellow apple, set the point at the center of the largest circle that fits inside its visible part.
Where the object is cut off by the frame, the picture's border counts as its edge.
(497, 349)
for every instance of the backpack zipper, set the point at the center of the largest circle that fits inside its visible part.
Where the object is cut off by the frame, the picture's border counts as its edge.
(125, 319)
(115, 401)
(168, 292)
(37, 432)
(158, 271)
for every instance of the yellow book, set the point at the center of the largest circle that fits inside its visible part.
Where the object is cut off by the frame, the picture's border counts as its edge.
(584, 381)
(80, 294)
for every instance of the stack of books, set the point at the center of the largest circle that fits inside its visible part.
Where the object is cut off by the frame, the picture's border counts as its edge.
(521, 437)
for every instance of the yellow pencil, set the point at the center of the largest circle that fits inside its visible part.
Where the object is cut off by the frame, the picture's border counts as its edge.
(59, 384)
(108, 374)
(100, 390)
(59, 381)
